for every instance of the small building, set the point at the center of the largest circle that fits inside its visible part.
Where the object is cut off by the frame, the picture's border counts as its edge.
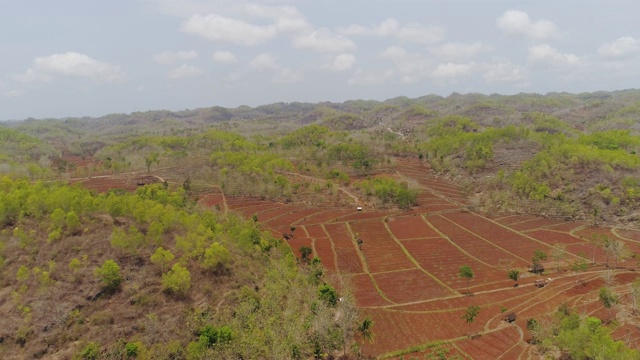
(536, 268)
(510, 317)
(540, 283)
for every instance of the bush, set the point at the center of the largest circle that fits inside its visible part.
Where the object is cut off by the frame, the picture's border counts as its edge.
(177, 280)
(109, 274)
(89, 352)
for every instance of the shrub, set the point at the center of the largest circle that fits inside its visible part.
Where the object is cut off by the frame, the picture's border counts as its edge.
(89, 352)
(109, 274)
(162, 257)
(177, 280)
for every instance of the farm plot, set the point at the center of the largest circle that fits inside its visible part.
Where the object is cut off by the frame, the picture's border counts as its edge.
(380, 251)
(212, 199)
(410, 227)
(364, 290)
(533, 224)
(512, 219)
(553, 237)
(325, 216)
(443, 260)
(250, 210)
(324, 250)
(474, 245)
(276, 211)
(298, 242)
(315, 231)
(492, 345)
(293, 217)
(363, 216)
(410, 285)
(513, 242)
(568, 226)
(347, 257)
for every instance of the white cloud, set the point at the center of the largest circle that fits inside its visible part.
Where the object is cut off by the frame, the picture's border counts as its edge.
(184, 71)
(420, 34)
(71, 65)
(286, 76)
(411, 32)
(386, 27)
(323, 41)
(621, 47)
(452, 72)
(264, 61)
(287, 19)
(342, 62)
(506, 72)
(219, 28)
(517, 23)
(224, 57)
(169, 57)
(545, 54)
(368, 79)
(458, 51)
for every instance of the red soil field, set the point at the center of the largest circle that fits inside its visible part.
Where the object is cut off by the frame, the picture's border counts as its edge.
(326, 216)
(296, 243)
(443, 260)
(365, 292)
(211, 200)
(512, 219)
(323, 248)
(492, 345)
(409, 285)
(629, 334)
(410, 227)
(553, 237)
(568, 226)
(292, 217)
(534, 224)
(315, 231)
(380, 251)
(276, 211)
(472, 244)
(513, 242)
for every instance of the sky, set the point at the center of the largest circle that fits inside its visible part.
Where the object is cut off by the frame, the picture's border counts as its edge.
(79, 58)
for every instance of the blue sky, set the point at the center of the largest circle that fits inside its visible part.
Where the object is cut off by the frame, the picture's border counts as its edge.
(93, 57)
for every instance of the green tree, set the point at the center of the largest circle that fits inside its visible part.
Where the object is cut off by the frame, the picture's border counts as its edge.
(608, 297)
(305, 251)
(470, 314)
(177, 280)
(514, 275)
(579, 266)
(327, 293)
(538, 256)
(466, 273)
(162, 258)
(364, 329)
(109, 274)
(216, 257)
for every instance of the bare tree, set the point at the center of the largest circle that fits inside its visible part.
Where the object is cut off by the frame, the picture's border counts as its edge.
(558, 253)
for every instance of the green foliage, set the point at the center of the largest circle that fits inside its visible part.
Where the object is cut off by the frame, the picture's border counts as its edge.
(23, 273)
(216, 257)
(328, 294)
(388, 191)
(90, 352)
(538, 255)
(470, 314)
(466, 273)
(514, 275)
(162, 258)
(608, 297)
(305, 251)
(177, 280)
(109, 274)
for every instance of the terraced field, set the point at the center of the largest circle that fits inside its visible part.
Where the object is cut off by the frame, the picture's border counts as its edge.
(404, 274)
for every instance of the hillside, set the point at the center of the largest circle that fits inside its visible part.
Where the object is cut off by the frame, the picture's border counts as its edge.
(323, 230)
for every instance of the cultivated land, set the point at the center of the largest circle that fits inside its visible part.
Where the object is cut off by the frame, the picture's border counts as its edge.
(405, 274)
(397, 199)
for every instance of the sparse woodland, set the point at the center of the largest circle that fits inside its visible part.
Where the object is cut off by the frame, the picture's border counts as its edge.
(150, 273)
